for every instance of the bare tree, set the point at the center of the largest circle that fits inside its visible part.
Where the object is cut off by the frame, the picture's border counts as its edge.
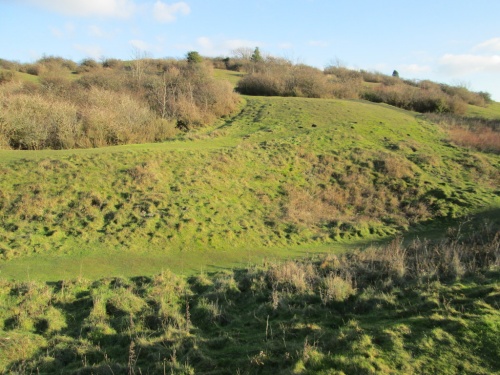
(139, 58)
(244, 53)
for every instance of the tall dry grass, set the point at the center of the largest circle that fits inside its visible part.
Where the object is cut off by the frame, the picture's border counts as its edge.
(337, 277)
(486, 139)
(421, 260)
(475, 133)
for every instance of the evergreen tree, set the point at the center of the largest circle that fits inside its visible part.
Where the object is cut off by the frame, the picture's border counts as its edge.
(256, 56)
(193, 57)
(395, 74)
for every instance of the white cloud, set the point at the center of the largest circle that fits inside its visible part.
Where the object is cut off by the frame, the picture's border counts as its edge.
(161, 39)
(218, 47)
(105, 8)
(285, 45)
(209, 47)
(469, 63)
(58, 33)
(183, 47)
(381, 67)
(318, 43)
(414, 69)
(492, 45)
(92, 51)
(205, 43)
(98, 32)
(67, 30)
(168, 13)
(232, 44)
(140, 45)
(145, 49)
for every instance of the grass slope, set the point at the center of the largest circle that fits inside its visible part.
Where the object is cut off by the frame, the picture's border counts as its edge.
(25, 77)
(283, 173)
(492, 111)
(393, 310)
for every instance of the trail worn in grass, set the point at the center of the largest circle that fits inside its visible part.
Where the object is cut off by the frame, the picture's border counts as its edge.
(284, 172)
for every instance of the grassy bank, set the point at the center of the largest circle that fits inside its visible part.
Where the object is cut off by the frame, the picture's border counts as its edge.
(282, 173)
(417, 309)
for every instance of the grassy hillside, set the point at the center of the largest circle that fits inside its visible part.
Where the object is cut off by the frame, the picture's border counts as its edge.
(395, 310)
(347, 238)
(282, 173)
(25, 77)
(491, 112)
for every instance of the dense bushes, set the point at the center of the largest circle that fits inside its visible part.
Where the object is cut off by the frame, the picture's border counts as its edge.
(278, 77)
(416, 99)
(345, 83)
(281, 78)
(181, 93)
(422, 96)
(67, 118)
(32, 122)
(109, 104)
(188, 93)
(6, 76)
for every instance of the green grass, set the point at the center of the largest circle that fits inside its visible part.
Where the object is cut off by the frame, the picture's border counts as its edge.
(25, 77)
(94, 264)
(280, 317)
(283, 173)
(30, 78)
(182, 257)
(228, 75)
(492, 111)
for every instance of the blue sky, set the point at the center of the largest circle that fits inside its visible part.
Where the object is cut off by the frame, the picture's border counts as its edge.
(449, 41)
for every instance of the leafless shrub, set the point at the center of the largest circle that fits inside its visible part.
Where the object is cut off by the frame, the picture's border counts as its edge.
(261, 84)
(461, 91)
(306, 81)
(115, 118)
(344, 83)
(292, 276)
(87, 65)
(426, 98)
(6, 76)
(343, 74)
(378, 77)
(107, 79)
(336, 288)
(35, 122)
(9, 65)
(275, 77)
(33, 69)
(189, 94)
(112, 63)
(55, 63)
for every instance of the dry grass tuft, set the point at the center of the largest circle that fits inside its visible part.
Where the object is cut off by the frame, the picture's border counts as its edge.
(485, 139)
